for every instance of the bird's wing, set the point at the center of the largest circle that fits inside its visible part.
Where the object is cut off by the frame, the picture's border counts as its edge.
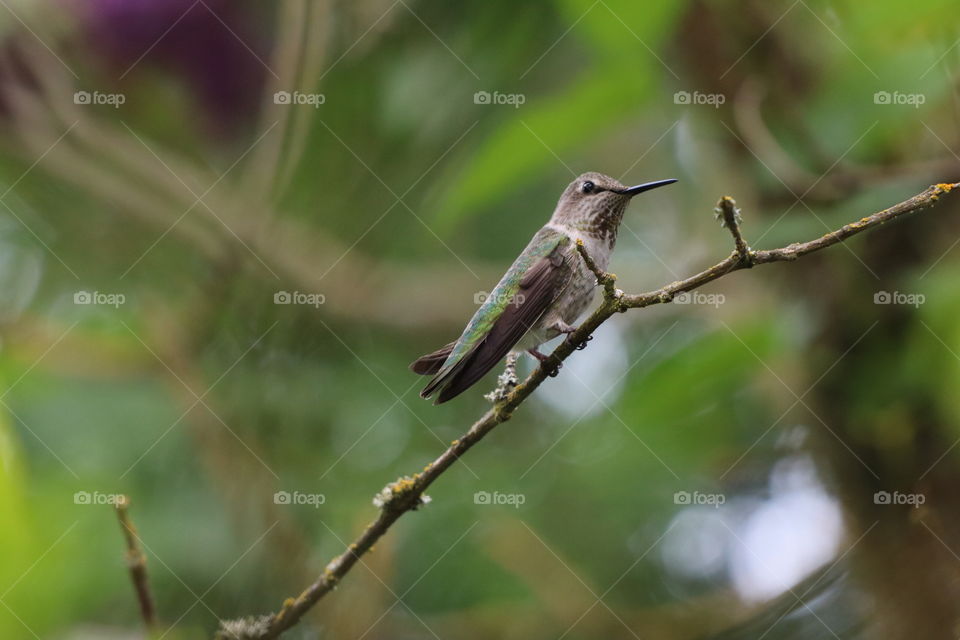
(516, 304)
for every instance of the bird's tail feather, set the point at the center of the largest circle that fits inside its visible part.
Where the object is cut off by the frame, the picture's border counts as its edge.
(450, 381)
(431, 363)
(463, 374)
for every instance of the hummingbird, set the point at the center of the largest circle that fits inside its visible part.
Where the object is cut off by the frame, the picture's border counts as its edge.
(545, 289)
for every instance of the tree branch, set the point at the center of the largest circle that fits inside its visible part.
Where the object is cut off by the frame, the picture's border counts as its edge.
(407, 493)
(137, 563)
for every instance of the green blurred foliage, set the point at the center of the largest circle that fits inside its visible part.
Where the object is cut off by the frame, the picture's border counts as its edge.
(200, 398)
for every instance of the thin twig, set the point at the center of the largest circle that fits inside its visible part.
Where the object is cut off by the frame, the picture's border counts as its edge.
(606, 280)
(729, 216)
(507, 380)
(407, 493)
(137, 564)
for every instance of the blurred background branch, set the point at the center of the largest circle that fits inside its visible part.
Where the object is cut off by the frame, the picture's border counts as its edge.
(137, 564)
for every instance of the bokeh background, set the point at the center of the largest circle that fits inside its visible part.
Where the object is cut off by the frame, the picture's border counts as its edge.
(776, 458)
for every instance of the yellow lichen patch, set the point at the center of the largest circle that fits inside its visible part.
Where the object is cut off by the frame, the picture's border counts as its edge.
(403, 484)
(399, 487)
(945, 187)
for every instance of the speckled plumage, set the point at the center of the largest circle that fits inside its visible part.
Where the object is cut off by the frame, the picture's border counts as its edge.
(543, 292)
(595, 222)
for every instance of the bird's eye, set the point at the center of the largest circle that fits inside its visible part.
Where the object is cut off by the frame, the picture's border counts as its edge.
(587, 187)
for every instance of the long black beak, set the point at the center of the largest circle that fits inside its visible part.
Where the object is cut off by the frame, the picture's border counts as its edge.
(640, 188)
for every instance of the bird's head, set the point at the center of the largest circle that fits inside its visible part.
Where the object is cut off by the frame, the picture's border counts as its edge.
(595, 202)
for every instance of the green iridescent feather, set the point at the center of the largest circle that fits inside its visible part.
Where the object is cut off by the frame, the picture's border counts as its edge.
(542, 244)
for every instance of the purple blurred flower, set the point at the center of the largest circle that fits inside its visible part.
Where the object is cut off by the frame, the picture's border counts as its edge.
(207, 43)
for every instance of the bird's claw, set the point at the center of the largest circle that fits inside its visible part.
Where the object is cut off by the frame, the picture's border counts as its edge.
(550, 364)
(582, 345)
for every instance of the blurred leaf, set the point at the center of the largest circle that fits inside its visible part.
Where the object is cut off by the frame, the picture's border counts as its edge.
(591, 104)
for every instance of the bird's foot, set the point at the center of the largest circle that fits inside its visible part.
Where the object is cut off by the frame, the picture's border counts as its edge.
(547, 362)
(562, 327)
(568, 329)
(542, 357)
(583, 345)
